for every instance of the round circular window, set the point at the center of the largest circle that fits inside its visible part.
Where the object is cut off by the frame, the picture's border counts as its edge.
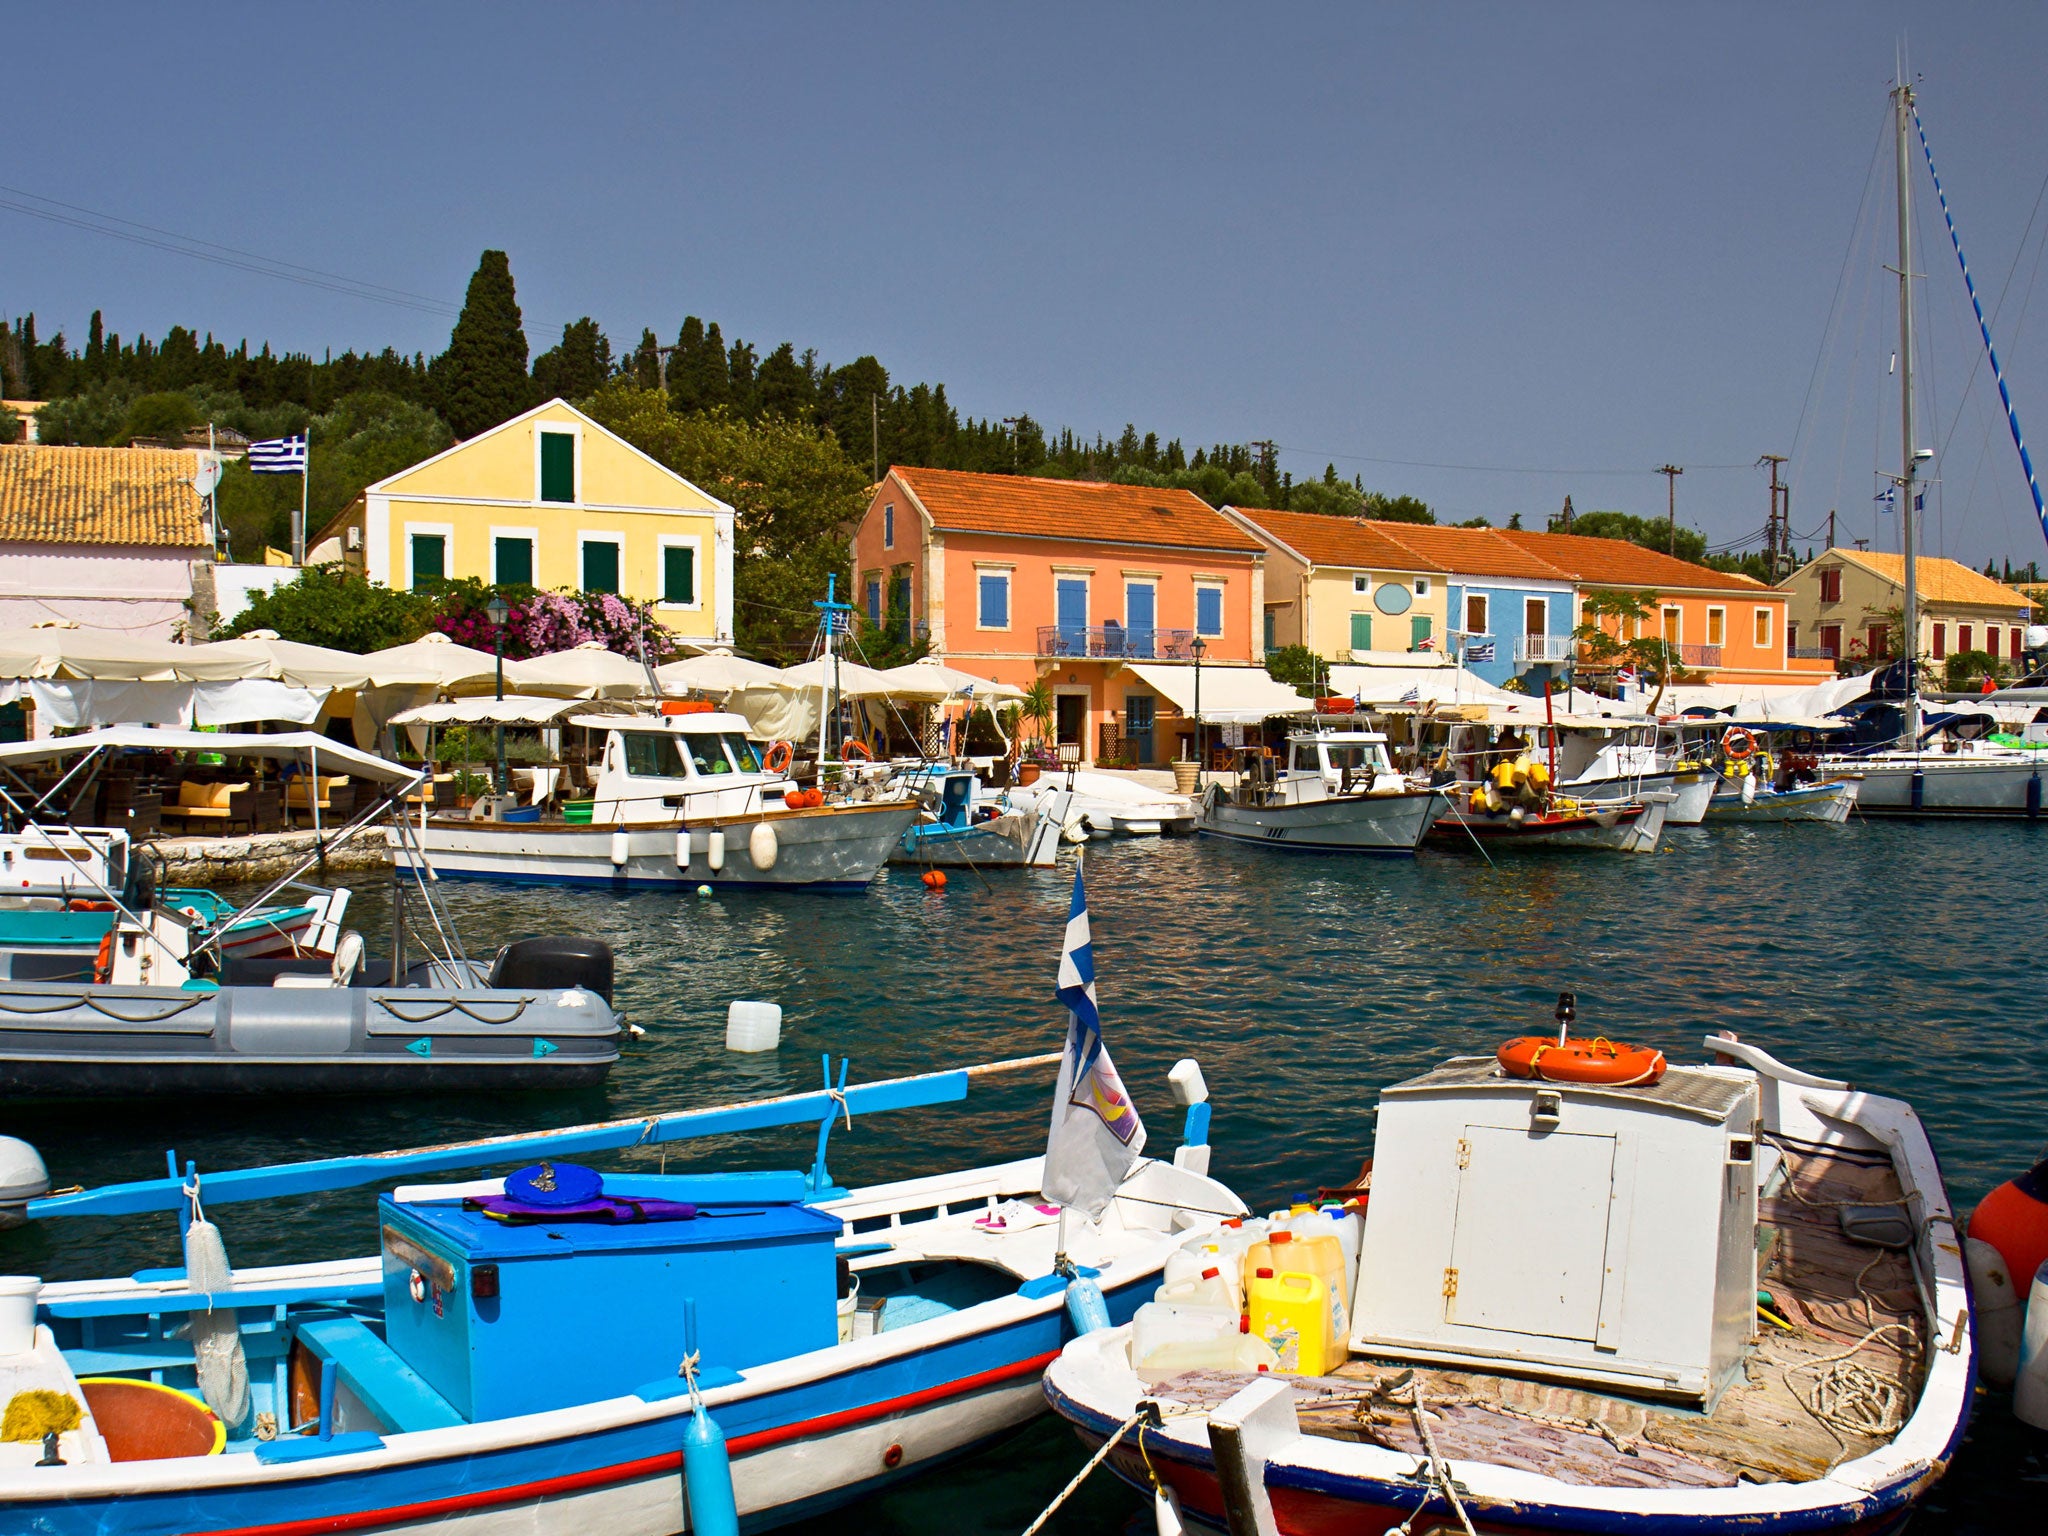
(1391, 597)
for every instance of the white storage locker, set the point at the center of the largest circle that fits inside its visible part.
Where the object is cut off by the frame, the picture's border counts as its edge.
(1599, 1235)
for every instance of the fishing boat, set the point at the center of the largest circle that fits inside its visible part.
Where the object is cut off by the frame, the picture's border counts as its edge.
(1562, 823)
(679, 799)
(1337, 791)
(564, 1350)
(168, 1004)
(1827, 802)
(1596, 1293)
(962, 829)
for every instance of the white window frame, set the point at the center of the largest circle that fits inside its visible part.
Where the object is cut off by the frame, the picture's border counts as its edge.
(447, 534)
(1005, 574)
(532, 537)
(569, 429)
(1422, 586)
(1222, 591)
(663, 544)
(888, 525)
(1361, 584)
(1485, 600)
(1761, 628)
(617, 540)
(1672, 634)
(1713, 609)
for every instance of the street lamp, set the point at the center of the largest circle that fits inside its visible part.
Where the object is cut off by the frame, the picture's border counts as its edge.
(1197, 648)
(500, 611)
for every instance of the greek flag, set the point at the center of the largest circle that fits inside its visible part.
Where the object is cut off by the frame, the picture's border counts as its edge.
(278, 456)
(1481, 650)
(1413, 695)
(1096, 1134)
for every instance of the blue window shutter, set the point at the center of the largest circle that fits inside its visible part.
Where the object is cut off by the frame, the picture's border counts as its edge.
(995, 602)
(874, 600)
(1209, 610)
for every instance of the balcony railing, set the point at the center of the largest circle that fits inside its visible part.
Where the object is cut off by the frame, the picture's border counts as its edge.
(1545, 648)
(1112, 642)
(1699, 655)
(1812, 653)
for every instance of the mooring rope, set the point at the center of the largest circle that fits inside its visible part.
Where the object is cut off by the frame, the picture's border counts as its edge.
(1081, 1476)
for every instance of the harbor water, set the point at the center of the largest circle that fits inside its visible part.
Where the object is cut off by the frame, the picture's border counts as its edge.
(1902, 957)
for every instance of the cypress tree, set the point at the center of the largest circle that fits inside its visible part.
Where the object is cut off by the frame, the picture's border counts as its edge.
(578, 368)
(482, 376)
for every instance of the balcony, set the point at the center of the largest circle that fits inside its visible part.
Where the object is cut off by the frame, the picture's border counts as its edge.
(1545, 649)
(1112, 642)
(1812, 653)
(1699, 655)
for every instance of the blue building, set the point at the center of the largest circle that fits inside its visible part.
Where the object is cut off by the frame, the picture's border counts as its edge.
(1511, 612)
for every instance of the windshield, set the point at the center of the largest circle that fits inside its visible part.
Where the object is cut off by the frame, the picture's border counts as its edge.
(743, 752)
(708, 753)
(650, 756)
(1350, 759)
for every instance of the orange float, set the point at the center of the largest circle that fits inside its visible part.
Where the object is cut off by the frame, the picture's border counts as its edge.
(854, 750)
(780, 755)
(934, 879)
(1597, 1061)
(2013, 1218)
(103, 962)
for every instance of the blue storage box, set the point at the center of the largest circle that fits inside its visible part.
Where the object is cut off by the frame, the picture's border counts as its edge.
(584, 1310)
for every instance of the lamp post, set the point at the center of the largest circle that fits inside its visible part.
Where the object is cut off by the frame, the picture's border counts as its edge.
(500, 611)
(1197, 648)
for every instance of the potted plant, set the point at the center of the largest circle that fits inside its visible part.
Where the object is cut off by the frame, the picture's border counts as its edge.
(467, 787)
(1036, 707)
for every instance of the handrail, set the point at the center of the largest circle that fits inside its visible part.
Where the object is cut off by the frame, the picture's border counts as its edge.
(279, 1180)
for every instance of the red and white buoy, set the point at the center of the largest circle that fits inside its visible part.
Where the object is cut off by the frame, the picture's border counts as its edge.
(2008, 1243)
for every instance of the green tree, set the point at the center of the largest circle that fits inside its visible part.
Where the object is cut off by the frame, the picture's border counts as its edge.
(1968, 669)
(1648, 532)
(481, 379)
(577, 367)
(1398, 509)
(327, 606)
(163, 416)
(94, 419)
(1299, 668)
(792, 488)
(697, 379)
(10, 425)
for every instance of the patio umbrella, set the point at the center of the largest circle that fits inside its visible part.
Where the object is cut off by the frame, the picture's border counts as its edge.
(718, 671)
(314, 666)
(66, 650)
(931, 679)
(437, 660)
(587, 672)
(849, 678)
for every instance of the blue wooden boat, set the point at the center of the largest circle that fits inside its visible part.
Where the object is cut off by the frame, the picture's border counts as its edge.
(555, 1370)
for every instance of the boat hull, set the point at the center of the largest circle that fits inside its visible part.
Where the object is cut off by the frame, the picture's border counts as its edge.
(1619, 828)
(1375, 824)
(1948, 785)
(1695, 792)
(832, 848)
(1814, 802)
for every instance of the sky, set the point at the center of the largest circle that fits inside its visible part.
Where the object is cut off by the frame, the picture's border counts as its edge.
(1490, 255)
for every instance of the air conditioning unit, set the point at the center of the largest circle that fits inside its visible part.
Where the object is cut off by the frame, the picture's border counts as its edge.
(352, 539)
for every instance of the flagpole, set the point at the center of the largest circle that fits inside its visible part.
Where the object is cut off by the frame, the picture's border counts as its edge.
(305, 483)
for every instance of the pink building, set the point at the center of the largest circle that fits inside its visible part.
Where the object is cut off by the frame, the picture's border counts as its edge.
(1109, 590)
(104, 537)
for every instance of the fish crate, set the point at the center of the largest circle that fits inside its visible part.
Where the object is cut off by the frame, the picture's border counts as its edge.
(508, 1319)
(1604, 1236)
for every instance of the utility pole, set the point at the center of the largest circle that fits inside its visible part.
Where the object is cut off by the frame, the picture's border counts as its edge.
(1269, 462)
(1831, 527)
(1011, 422)
(1777, 528)
(1671, 472)
(875, 430)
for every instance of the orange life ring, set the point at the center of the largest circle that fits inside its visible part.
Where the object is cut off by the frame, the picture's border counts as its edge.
(81, 904)
(849, 747)
(1581, 1061)
(103, 962)
(780, 755)
(1728, 743)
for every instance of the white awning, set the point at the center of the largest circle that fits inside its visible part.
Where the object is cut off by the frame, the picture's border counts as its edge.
(1438, 685)
(290, 746)
(1230, 695)
(513, 709)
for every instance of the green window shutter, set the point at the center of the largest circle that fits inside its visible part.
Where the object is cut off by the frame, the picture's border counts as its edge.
(1361, 631)
(600, 566)
(558, 467)
(1418, 629)
(429, 559)
(678, 574)
(515, 562)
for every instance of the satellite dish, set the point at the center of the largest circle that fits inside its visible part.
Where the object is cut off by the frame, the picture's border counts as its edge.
(207, 476)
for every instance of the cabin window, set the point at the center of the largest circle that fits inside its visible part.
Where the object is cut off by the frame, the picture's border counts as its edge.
(679, 574)
(1361, 584)
(600, 565)
(1760, 629)
(558, 466)
(742, 752)
(650, 756)
(1475, 614)
(1831, 585)
(512, 560)
(429, 559)
(1964, 634)
(874, 595)
(1717, 626)
(888, 525)
(1940, 641)
(995, 600)
(708, 753)
(1361, 631)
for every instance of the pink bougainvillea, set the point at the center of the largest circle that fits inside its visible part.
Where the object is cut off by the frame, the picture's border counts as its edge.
(542, 623)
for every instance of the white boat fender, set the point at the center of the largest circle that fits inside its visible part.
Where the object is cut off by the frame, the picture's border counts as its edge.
(23, 1178)
(762, 846)
(1089, 1313)
(1166, 1518)
(682, 850)
(216, 1333)
(707, 1477)
(622, 849)
(1998, 1315)
(2030, 1386)
(714, 849)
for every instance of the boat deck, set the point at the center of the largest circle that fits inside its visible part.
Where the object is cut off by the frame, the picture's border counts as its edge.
(1855, 1351)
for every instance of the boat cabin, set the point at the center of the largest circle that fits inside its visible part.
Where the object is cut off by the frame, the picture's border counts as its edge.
(1330, 761)
(664, 768)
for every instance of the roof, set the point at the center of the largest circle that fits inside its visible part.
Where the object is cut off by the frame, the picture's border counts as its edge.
(1341, 541)
(1618, 563)
(51, 495)
(1939, 580)
(1471, 551)
(1071, 509)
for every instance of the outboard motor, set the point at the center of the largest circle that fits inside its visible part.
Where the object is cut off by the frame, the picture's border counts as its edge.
(553, 962)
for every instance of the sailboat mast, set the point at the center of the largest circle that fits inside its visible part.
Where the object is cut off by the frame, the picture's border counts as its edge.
(1902, 113)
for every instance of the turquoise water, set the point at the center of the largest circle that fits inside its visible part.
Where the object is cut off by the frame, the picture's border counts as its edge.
(1898, 956)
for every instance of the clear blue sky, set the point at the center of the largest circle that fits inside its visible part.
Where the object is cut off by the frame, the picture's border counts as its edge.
(1584, 238)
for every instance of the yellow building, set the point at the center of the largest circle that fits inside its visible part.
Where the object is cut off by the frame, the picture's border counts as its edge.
(554, 500)
(1844, 605)
(1342, 588)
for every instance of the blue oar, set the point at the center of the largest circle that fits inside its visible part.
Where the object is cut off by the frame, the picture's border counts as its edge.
(329, 1173)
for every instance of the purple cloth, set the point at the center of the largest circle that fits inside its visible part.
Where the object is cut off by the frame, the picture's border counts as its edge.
(608, 1209)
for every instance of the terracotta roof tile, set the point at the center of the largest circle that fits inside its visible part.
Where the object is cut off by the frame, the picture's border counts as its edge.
(51, 495)
(1072, 509)
(1342, 541)
(1939, 580)
(1471, 551)
(1618, 563)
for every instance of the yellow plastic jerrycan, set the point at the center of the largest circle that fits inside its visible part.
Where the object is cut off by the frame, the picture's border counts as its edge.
(1321, 1256)
(1291, 1312)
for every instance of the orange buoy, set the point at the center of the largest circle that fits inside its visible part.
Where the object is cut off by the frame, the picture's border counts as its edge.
(1599, 1061)
(934, 879)
(2013, 1218)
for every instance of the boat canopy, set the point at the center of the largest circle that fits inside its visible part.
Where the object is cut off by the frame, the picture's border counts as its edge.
(285, 746)
(1230, 695)
(705, 720)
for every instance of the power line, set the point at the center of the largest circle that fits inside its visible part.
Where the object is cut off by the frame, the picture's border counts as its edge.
(1485, 469)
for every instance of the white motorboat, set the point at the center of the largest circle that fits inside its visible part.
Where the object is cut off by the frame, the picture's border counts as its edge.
(1745, 800)
(1111, 805)
(1337, 792)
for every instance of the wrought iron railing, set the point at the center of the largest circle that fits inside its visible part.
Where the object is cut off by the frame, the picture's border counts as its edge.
(1545, 648)
(1700, 655)
(1812, 653)
(1115, 642)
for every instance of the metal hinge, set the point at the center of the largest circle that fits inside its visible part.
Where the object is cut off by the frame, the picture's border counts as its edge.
(1464, 1153)
(1450, 1282)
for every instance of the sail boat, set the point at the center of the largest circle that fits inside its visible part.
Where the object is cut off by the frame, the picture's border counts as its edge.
(1916, 774)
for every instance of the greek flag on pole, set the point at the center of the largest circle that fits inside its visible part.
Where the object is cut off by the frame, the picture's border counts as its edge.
(1481, 650)
(278, 456)
(1413, 695)
(1096, 1135)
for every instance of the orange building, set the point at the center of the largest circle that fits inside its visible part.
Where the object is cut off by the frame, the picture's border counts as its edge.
(1109, 590)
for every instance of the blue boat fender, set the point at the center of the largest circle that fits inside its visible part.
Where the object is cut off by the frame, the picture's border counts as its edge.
(707, 1477)
(1085, 1305)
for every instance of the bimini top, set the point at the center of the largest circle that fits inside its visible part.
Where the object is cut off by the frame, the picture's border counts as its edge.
(286, 746)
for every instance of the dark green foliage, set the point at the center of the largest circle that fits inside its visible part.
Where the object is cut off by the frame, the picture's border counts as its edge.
(577, 367)
(481, 379)
(326, 606)
(10, 425)
(1968, 669)
(1649, 532)
(163, 416)
(1298, 667)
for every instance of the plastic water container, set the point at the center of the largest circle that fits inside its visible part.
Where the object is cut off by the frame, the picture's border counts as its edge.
(18, 1295)
(1347, 1227)
(2030, 1386)
(1166, 1338)
(1206, 1288)
(1290, 1310)
(1321, 1256)
(753, 1026)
